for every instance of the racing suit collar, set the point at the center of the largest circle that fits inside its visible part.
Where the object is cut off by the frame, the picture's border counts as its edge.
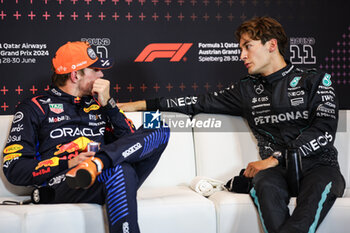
(67, 97)
(279, 74)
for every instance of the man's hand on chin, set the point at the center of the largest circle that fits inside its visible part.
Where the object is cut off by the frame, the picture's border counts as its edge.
(101, 88)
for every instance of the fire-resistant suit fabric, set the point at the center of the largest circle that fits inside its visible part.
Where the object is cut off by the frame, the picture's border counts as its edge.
(291, 108)
(51, 129)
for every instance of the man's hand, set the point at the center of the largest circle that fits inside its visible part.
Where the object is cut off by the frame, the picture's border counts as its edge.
(80, 158)
(254, 167)
(133, 106)
(101, 88)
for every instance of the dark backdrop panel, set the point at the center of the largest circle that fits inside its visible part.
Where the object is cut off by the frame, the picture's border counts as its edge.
(32, 30)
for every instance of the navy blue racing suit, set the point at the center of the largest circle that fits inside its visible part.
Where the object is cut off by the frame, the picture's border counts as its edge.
(49, 130)
(291, 108)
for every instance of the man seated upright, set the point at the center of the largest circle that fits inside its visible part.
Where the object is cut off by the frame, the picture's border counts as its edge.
(50, 136)
(286, 108)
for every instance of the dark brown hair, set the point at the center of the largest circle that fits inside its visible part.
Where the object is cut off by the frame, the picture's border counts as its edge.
(60, 80)
(264, 29)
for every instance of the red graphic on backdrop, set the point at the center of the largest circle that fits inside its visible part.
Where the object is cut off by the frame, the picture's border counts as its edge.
(181, 17)
(130, 87)
(33, 89)
(19, 90)
(4, 106)
(17, 15)
(46, 15)
(2, 15)
(4, 90)
(182, 86)
(74, 16)
(115, 16)
(154, 16)
(88, 16)
(142, 16)
(207, 86)
(129, 16)
(143, 87)
(117, 88)
(156, 87)
(169, 87)
(174, 51)
(60, 15)
(102, 16)
(31, 15)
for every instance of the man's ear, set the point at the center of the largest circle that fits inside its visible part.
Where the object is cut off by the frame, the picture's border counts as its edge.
(273, 45)
(74, 76)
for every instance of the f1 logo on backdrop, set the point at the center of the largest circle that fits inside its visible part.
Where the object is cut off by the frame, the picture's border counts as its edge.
(174, 51)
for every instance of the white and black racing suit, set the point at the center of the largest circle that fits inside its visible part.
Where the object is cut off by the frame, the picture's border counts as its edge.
(291, 108)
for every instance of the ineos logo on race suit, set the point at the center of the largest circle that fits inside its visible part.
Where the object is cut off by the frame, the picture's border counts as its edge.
(316, 143)
(64, 132)
(296, 93)
(180, 102)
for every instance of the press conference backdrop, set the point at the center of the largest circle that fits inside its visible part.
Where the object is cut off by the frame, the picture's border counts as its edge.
(164, 47)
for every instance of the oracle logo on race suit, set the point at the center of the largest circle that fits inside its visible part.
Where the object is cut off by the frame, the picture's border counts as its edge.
(86, 132)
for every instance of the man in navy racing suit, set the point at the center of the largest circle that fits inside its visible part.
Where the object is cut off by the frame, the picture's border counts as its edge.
(285, 107)
(49, 137)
